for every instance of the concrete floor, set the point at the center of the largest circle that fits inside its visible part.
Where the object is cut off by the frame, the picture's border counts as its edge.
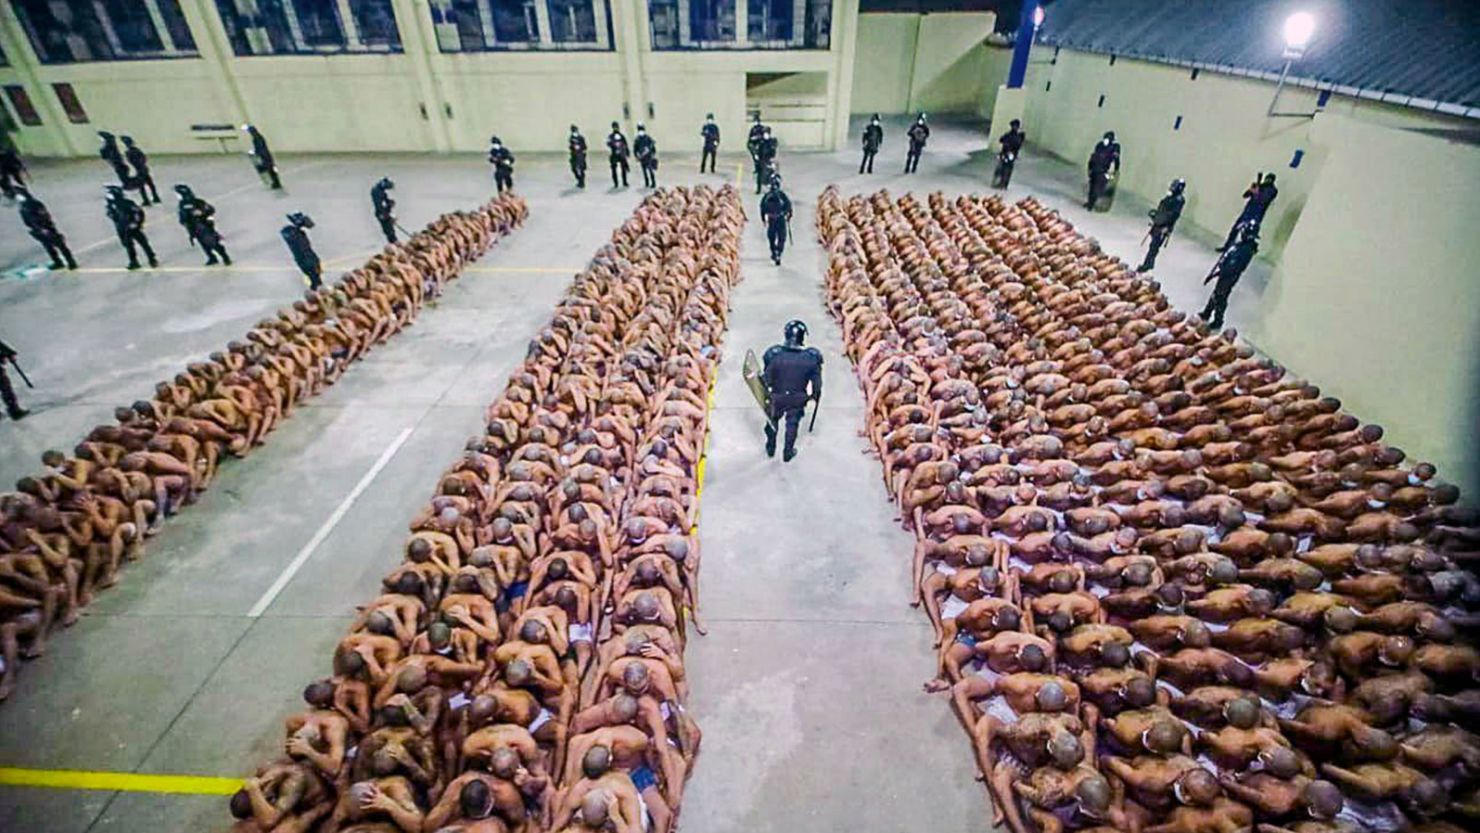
(808, 685)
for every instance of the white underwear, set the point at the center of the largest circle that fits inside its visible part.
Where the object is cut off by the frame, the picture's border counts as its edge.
(540, 719)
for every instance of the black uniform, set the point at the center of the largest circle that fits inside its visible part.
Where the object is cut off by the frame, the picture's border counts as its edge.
(503, 167)
(12, 172)
(142, 179)
(39, 223)
(753, 139)
(873, 138)
(1105, 156)
(198, 218)
(303, 254)
(7, 392)
(577, 145)
(765, 161)
(263, 157)
(1257, 199)
(128, 222)
(710, 132)
(1011, 144)
(789, 372)
(919, 135)
(776, 212)
(114, 157)
(616, 143)
(1227, 271)
(1163, 220)
(385, 206)
(646, 151)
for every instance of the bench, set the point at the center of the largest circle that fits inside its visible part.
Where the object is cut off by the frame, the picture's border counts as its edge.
(221, 133)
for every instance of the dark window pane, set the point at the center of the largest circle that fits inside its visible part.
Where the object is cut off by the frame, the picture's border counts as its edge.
(514, 20)
(174, 20)
(711, 20)
(663, 21)
(132, 27)
(318, 21)
(308, 27)
(770, 20)
(819, 24)
(21, 101)
(573, 21)
(70, 103)
(376, 23)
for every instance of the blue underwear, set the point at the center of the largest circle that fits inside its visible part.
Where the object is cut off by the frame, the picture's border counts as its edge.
(644, 777)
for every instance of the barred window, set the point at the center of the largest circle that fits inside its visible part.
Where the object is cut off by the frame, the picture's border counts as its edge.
(712, 24)
(77, 31)
(489, 25)
(309, 27)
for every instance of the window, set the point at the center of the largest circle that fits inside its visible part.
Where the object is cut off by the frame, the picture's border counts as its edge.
(711, 24)
(74, 31)
(21, 101)
(309, 27)
(71, 104)
(485, 25)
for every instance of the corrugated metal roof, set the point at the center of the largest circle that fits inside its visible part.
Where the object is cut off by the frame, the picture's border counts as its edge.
(1426, 50)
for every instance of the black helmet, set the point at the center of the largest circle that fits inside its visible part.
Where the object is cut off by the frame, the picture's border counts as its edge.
(1179, 185)
(614, 126)
(1109, 135)
(113, 191)
(776, 186)
(385, 183)
(105, 135)
(574, 129)
(300, 220)
(1015, 124)
(128, 140)
(184, 192)
(493, 140)
(796, 332)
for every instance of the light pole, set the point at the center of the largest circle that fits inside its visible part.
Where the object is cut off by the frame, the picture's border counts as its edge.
(1298, 29)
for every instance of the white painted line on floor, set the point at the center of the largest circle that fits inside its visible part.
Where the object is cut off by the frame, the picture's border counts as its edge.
(319, 537)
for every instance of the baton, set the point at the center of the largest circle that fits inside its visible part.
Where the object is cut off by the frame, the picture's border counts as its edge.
(815, 409)
(402, 228)
(24, 377)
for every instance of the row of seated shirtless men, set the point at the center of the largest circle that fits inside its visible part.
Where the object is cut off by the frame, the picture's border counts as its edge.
(65, 531)
(1174, 590)
(523, 669)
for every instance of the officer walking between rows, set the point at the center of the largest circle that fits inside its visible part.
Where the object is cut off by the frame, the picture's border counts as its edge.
(110, 153)
(128, 223)
(503, 165)
(262, 157)
(776, 212)
(142, 179)
(385, 207)
(710, 132)
(873, 139)
(646, 151)
(1105, 156)
(295, 234)
(1011, 144)
(577, 147)
(792, 373)
(198, 218)
(753, 139)
(1229, 268)
(765, 159)
(1257, 199)
(42, 227)
(7, 391)
(919, 134)
(616, 144)
(1163, 219)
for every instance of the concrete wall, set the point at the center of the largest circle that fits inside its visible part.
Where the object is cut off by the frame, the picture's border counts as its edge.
(932, 62)
(423, 99)
(1224, 139)
(1375, 298)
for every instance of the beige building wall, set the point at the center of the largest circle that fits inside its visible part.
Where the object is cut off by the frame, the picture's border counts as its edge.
(938, 63)
(427, 100)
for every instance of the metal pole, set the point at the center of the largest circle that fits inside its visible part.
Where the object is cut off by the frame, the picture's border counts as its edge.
(1280, 86)
(1022, 44)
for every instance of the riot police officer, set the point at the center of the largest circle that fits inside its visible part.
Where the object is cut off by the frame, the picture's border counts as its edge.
(39, 223)
(873, 138)
(646, 151)
(1163, 219)
(577, 146)
(1229, 268)
(1011, 144)
(765, 158)
(1105, 156)
(503, 165)
(919, 134)
(7, 391)
(142, 179)
(792, 373)
(12, 172)
(776, 212)
(710, 132)
(128, 222)
(616, 144)
(753, 139)
(384, 207)
(295, 234)
(1257, 199)
(262, 156)
(113, 156)
(198, 218)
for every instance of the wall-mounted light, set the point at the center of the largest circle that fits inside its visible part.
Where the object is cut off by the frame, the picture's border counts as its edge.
(1298, 29)
(1038, 17)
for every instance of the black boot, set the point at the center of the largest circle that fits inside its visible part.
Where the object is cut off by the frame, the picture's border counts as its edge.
(770, 441)
(787, 454)
(18, 414)
(133, 264)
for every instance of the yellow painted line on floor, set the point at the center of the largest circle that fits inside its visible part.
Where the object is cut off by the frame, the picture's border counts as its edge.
(77, 779)
(739, 172)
